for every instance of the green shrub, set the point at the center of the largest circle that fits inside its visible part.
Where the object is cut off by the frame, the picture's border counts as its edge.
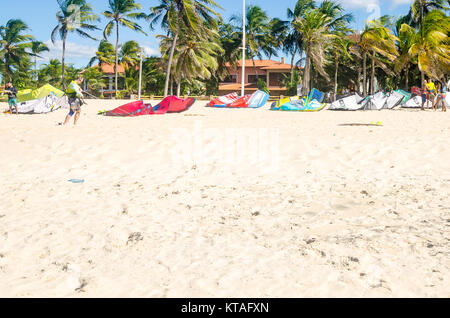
(262, 85)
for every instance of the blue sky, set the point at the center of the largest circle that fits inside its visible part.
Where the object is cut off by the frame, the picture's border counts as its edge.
(40, 17)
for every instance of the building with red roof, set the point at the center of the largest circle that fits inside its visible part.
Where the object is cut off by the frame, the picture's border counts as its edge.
(108, 71)
(272, 72)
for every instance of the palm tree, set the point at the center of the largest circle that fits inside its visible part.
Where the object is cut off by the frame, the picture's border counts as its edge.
(193, 16)
(404, 43)
(420, 8)
(195, 57)
(294, 41)
(315, 27)
(131, 80)
(37, 48)
(230, 41)
(122, 12)
(377, 39)
(94, 80)
(13, 45)
(339, 19)
(257, 33)
(275, 38)
(50, 72)
(430, 44)
(153, 75)
(105, 54)
(341, 47)
(339, 27)
(130, 54)
(73, 16)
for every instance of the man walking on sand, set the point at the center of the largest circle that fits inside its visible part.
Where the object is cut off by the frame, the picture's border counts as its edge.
(76, 100)
(12, 97)
(424, 94)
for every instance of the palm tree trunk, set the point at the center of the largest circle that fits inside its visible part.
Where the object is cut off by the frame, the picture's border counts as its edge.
(292, 62)
(179, 86)
(336, 74)
(306, 76)
(421, 18)
(116, 65)
(171, 87)
(364, 74)
(407, 78)
(63, 67)
(358, 88)
(255, 69)
(8, 75)
(169, 64)
(372, 76)
(422, 79)
(35, 69)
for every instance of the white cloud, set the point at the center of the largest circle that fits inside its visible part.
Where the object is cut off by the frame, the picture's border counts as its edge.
(368, 4)
(401, 2)
(151, 51)
(359, 4)
(74, 52)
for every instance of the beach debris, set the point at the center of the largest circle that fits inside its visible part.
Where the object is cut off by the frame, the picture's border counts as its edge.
(378, 123)
(83, 283)
(76, 180)
(134, 238)
(311, 240)
(74, 281)
(354, 259)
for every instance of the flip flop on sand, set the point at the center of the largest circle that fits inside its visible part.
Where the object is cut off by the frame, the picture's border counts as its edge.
(379, 123)
(76, 180)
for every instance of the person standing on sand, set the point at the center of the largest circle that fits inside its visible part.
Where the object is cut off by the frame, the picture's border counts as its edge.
(75, 95)
(431, 88)
(440, 97)
(424, 93)
(12, 97)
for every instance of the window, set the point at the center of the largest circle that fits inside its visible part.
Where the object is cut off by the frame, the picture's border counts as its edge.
(230, 79)
(275, 79)
(253, 79)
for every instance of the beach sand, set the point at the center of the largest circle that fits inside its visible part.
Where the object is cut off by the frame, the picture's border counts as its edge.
(225, 203)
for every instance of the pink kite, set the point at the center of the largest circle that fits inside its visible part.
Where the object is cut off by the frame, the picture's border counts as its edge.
(170, 104)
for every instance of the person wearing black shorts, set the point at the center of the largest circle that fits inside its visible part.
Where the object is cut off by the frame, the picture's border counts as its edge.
(75, 95)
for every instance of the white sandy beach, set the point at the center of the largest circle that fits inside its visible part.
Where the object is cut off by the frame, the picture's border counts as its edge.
(326, 211)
